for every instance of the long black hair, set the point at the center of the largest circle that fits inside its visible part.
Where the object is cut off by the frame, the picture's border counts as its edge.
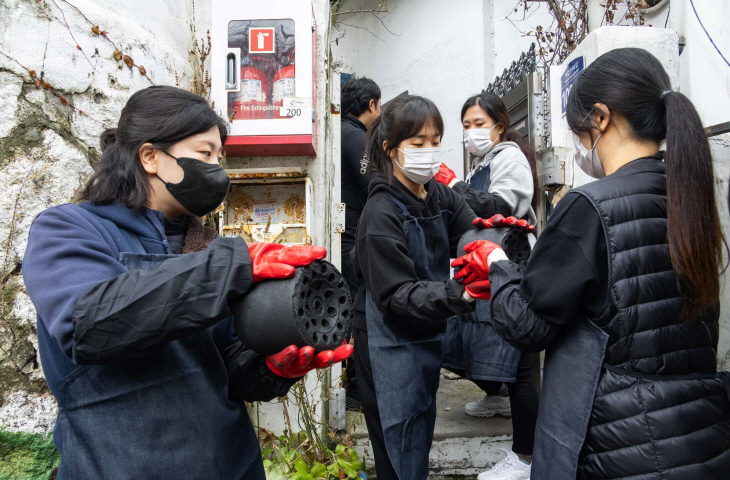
(633, 83)
(160, 115)
(497, 111)
(404, 117)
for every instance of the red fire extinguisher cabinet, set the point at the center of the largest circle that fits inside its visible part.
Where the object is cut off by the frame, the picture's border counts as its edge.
(264, 69)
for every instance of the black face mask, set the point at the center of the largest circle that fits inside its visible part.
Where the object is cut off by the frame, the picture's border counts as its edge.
(204, 186)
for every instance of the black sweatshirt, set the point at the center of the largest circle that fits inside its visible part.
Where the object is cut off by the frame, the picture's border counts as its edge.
(353, 174)
(381, 257)
(484, 204)
(565, 278)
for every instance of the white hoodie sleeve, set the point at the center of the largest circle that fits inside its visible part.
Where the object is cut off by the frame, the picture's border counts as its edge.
(511, 179)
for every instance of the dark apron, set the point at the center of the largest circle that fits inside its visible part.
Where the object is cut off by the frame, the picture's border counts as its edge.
(570, 379)
(471, 344)
(166, 416)
(406, 363)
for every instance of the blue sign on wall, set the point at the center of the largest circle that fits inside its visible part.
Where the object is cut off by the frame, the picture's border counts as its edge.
(568, 79)
(344, 77)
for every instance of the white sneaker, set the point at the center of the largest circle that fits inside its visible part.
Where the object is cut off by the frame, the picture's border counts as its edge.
(509, 468)
(489, 406)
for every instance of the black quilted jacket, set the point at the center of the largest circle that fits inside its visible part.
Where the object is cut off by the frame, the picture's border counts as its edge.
(660, 410)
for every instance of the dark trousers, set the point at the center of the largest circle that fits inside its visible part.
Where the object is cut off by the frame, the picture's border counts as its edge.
(348, 271)
(524, 403)
(383, 466)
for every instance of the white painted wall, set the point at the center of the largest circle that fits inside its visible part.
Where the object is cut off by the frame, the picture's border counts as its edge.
(704, 76)
(507, 30)
(445, 54)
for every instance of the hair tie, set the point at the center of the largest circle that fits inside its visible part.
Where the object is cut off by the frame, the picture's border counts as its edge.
(664, 94)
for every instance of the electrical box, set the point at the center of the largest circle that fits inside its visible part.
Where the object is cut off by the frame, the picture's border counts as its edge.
(554, 161)
(268, 206)
(264, 76)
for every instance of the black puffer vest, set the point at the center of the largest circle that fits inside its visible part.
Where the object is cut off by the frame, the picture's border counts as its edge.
(660, 411)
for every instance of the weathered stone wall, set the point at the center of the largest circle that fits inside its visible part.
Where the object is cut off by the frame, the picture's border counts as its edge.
(49, 138)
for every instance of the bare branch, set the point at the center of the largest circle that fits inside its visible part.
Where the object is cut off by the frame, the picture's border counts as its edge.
(72, 35)
(48, 86)
(384, 26)
(361, 28)
(374, 10)
(103, 34)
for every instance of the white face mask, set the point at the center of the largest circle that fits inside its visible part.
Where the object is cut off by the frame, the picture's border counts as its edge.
(588, 161)
(420, 164)
(478, 141)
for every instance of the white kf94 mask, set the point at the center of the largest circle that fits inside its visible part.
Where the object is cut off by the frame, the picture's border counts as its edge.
(588, 161)
(478, 141)
(420, 164)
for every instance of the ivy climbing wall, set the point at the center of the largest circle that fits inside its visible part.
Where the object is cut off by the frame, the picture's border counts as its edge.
(66, 70)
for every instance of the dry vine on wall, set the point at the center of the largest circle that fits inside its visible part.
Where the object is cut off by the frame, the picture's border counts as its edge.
(556, 41)
(118, 54)
(16, 351)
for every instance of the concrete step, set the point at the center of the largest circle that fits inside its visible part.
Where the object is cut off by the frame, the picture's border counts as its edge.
(463, 446)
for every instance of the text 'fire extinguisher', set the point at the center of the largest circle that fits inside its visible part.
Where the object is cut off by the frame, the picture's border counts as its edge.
(267, 76)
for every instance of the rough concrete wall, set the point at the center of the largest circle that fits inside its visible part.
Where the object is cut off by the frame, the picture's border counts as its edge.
(47, 148)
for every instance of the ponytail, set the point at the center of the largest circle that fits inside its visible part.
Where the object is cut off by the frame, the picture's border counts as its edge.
(497, 111)
(633, 83)
(694, 232)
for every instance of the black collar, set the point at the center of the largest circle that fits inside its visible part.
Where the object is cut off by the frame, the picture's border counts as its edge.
(356, 121)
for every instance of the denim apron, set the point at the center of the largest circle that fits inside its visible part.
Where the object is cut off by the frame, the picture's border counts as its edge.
(166, 416)
(406, 363)
(572, 370)
(471, 344)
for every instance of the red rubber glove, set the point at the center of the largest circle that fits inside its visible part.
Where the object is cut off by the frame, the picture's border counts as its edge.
(293, 362)
(481, 290)
(474, 265)
(498, 221)
(445, 175)
(272, 260)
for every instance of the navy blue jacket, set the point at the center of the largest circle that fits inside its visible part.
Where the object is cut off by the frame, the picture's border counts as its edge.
(127, 349)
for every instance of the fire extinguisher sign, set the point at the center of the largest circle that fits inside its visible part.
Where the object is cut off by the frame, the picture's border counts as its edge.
(261, 40)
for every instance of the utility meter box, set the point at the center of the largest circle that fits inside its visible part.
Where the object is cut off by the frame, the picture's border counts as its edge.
(268, 206)
(555, 162)
(264, 76)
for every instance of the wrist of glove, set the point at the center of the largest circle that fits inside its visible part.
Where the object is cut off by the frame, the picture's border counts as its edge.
(275, 261)
(293, 362)
(474, 267)
(480, 290)
(499, 221)
(446, 176)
